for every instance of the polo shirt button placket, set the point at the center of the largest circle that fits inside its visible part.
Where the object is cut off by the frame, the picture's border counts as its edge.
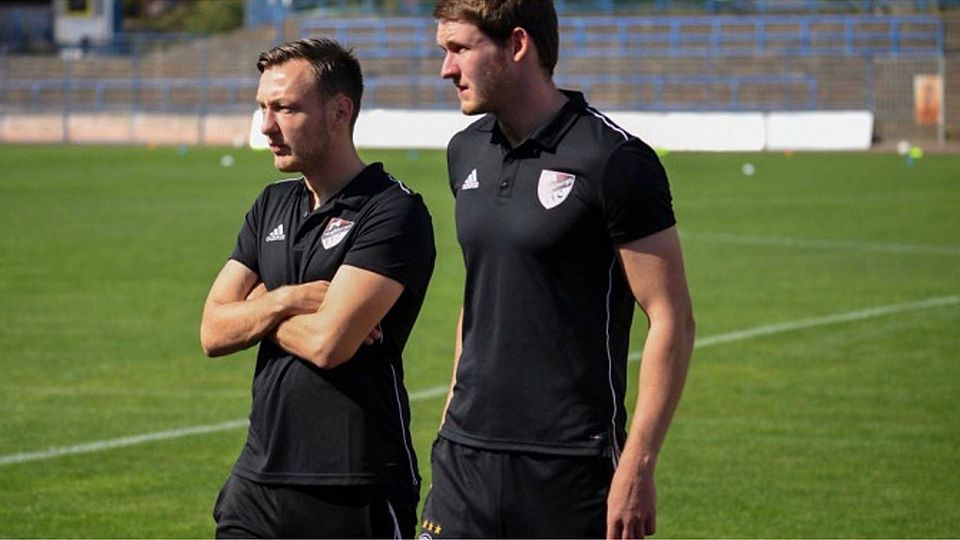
(507, 171)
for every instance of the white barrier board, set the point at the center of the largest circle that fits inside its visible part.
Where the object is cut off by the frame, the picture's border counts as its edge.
(382, 128)
(706, 131)
(815, 130)
(717, 132)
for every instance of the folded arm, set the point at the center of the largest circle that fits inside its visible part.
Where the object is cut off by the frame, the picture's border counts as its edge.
(355, 303)
(239, 311)
(654, 269)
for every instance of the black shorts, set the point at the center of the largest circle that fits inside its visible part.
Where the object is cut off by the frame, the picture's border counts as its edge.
(247, 509)
(479, 493)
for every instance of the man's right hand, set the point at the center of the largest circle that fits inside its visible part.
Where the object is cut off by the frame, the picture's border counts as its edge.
(302, 299)
(239, 310)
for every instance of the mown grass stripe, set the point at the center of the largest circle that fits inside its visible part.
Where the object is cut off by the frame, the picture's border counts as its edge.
(436, 391)
(846, 245)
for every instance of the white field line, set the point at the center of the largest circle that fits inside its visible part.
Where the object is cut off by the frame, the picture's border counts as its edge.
(436, 391)
(838, 318)
(847, 245)
(98, 446)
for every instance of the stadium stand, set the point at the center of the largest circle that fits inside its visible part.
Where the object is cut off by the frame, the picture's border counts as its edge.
(727, 55)
(672, 63)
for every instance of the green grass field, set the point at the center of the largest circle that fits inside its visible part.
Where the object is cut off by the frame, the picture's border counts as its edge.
(808, 412)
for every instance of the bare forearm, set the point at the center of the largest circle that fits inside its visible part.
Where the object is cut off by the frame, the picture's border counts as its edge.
(239, 319)
(352, 309)
(663, 372)
(310, 338)
(234, 326)
(632, 501)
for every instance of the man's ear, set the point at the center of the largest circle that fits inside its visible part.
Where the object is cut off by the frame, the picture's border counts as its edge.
(341, 110)
(521, 44)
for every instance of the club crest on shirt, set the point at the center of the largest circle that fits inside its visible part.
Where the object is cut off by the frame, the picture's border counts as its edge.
(554, 187)
(335, 232)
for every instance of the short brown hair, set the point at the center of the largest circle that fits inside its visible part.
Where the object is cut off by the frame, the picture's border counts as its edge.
(335, 68)
(498, 18)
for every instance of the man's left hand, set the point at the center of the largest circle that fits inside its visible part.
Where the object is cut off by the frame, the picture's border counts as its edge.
(631, 505)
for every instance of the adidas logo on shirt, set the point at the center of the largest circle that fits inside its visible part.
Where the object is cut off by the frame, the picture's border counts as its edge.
(471, 182)
(276, 235)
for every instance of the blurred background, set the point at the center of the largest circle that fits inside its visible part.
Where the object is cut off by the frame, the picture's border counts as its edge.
(182, 71)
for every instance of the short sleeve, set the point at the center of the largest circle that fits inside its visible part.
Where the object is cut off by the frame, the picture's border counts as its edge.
(635, 194)
(246, 252)
(396, 241)
(450, 160)
(455, 150)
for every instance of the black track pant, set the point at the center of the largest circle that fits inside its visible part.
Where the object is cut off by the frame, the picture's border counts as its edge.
(247, 509)
(480, 493)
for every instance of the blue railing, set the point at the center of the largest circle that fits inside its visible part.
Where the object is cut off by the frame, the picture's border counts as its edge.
(648, 92)
(820, 6)
(379, 37)
(787, 92)
(239, 92)
(788, 35)
(258, 12)
(818, 35)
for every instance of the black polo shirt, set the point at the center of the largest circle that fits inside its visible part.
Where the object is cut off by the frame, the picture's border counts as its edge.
(547, 308)
(348, 425)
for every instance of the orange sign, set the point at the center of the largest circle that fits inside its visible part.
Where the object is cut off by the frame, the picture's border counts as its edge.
(927, 99)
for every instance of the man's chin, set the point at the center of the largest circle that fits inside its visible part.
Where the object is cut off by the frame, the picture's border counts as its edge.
(471, 109)
(283, 164)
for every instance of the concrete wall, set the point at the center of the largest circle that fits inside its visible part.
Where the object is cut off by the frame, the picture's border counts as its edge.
(125, 128)
(840, 130)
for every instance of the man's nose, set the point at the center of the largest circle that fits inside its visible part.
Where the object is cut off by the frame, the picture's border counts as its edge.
(269, 122)
(449, 68)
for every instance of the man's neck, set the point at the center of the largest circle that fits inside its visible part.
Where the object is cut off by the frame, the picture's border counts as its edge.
(333, 177)
(519, 118)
